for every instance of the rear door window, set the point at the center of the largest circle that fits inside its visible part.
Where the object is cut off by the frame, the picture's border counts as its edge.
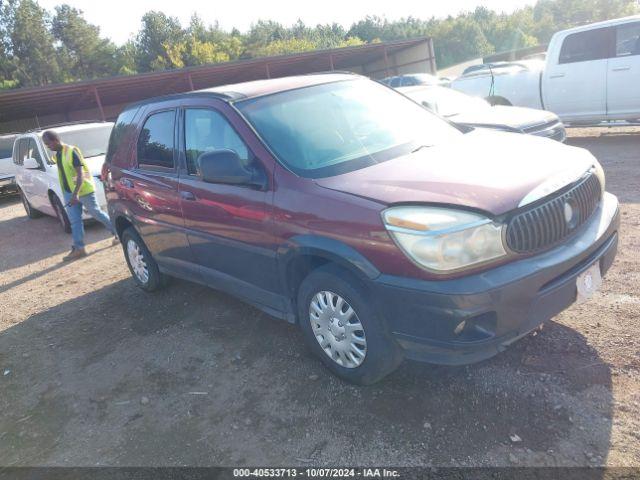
(156, 143)
(585, 46)
(206, 130)
(628, 39)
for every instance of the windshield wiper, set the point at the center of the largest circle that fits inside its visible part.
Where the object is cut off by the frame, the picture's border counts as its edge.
(420, 148)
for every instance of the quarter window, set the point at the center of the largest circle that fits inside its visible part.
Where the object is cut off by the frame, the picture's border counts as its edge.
(207, 130)
(156, 141)
(628, 40)
(585, 46)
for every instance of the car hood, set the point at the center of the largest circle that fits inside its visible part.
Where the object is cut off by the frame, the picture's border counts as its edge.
(514, 117)
(95, 164)
(486, 170)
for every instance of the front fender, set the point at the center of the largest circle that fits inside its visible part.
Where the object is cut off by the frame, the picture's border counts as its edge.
(329, 248)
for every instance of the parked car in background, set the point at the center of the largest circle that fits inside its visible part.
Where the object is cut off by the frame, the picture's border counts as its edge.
(591, 75)
(37, 172)
(7, 170)
(463, 109)
(412, 79)
(338, 204)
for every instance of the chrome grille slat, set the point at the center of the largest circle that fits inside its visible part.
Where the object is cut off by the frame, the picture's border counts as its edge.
(544, 225)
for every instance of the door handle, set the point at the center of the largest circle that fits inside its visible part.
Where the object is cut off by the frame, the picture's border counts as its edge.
(557, 75)
(621, 69)
(125, 182)
(187, 195)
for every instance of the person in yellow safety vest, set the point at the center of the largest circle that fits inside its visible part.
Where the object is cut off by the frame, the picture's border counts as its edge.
(78, 190)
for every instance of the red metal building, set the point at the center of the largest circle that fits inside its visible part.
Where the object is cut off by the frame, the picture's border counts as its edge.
(102, 99)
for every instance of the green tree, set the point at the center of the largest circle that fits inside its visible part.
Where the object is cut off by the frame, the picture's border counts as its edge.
(160, 43)
(84, 52)
(33, 58)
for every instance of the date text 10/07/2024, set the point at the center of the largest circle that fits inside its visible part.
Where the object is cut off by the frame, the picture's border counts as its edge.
(317, 472)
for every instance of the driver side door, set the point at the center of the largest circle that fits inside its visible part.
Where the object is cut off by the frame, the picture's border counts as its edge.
(228, 226)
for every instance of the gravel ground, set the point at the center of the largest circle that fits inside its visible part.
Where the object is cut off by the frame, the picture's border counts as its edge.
(100, 373)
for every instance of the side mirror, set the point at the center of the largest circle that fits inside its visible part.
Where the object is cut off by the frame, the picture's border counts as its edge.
(225, 166)
(31, 164)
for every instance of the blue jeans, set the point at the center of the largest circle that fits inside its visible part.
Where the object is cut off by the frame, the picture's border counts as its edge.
(74, 212)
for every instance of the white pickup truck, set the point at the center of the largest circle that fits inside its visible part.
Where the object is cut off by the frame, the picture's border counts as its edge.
(591, 75)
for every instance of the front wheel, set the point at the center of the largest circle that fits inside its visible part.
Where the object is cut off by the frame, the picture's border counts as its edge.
(142, 266)
(343, 329)
(31, 212)
(61, 214)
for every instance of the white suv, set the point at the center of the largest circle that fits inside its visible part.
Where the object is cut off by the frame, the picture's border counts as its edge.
(37, 172)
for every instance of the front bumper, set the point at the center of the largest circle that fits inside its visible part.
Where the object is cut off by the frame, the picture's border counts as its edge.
(8, 183)
(498, 306)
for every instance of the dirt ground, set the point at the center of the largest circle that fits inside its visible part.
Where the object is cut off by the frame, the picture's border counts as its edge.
(93, 371)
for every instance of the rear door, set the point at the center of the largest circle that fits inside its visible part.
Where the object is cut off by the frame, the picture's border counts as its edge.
(575, 82)
(228, 225)
(150, 190)
(623, 75)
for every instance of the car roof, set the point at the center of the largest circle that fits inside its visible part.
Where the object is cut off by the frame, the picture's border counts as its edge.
(256, 88)
(71, 127)
(606, 23)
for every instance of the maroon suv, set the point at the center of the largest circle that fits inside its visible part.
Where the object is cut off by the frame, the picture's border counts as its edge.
(384, 231)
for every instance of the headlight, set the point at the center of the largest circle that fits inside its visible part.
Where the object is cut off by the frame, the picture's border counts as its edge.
(599, 172)
(444, 240)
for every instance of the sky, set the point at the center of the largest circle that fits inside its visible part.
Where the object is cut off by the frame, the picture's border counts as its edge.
(120, 19)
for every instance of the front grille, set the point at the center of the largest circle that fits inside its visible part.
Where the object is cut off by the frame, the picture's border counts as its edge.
(546, 224)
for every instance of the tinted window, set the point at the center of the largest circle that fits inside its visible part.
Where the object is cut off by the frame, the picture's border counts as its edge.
(585, 46)
(123, 123)
(6, 146)
(395, 82)
(156, 141)
(207, 130)
(628, 40)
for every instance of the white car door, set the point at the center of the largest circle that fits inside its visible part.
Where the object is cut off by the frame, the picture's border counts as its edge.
(623, 75)
(575, 83)
(38, 180)
(24, 176)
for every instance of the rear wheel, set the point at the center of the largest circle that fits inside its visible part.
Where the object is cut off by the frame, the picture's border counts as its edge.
(61, 213)
(343, 329)
(142, 266)
(31, 212)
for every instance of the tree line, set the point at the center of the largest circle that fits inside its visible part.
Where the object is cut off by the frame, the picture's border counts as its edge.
(38, 47)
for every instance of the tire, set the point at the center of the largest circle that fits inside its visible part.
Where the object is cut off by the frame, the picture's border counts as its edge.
(61, 214)
(136, 251)
(31, 212)
(382, 355)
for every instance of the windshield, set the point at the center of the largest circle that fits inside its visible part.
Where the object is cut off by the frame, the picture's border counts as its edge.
(92, 142)
(447, 102)
(338, 127)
